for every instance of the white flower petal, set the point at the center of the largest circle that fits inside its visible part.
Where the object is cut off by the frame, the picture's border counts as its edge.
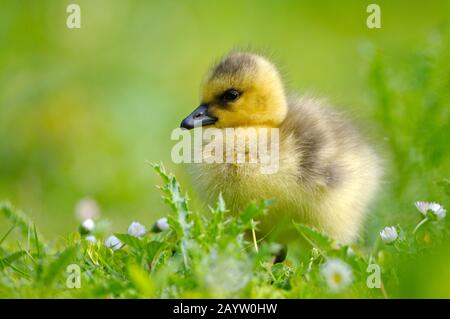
(422, 207)
(435, 208)
(88, 225)
(113, 242)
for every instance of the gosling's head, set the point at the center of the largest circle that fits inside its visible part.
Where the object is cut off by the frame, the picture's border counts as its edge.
(244, 89)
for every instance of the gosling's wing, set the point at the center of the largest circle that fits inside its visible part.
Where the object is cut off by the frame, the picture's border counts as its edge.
(321, 136)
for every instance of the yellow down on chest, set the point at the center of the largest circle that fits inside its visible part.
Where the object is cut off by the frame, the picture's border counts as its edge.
(247, 164)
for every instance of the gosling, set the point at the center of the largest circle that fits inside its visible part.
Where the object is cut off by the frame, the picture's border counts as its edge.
(327, 174)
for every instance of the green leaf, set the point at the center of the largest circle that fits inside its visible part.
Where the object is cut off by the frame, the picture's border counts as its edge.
(180, 218)
(36, 241)
(159, 168)
(216, 224)
(315, 237)
(254, 210)
(6, 235)
(131, 241)
(59, 265)
(6, 261)
(141, 281)
(15, 216)
(153, 248)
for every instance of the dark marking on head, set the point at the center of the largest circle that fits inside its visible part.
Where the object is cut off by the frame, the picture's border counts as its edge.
(234, 64)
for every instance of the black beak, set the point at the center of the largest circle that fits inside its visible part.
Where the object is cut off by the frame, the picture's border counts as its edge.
(198, 118)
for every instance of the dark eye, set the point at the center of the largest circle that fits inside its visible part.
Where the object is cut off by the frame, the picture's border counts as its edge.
(230, 95)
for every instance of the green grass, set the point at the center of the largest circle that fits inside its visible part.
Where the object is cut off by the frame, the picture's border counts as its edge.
(209, 255)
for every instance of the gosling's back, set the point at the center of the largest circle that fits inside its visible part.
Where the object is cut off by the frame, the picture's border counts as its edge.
(337, 168)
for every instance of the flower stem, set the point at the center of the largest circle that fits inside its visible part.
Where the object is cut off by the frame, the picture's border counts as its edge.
(254, 237)
(420, 224)
(383, 290)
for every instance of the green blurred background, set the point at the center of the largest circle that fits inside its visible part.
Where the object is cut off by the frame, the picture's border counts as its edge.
(83, 110)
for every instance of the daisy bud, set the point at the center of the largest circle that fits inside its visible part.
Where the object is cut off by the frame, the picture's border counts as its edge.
(136, 229)
(160, 225)
(87, 226)
(389, 235)
(113, 242)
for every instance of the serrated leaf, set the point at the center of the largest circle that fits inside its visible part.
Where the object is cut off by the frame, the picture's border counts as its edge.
(159, 168)
(254, 210)
(130, 241)
(180, 218)
(315, 237)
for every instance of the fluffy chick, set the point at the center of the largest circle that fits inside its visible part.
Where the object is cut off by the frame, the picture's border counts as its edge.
(327, 174)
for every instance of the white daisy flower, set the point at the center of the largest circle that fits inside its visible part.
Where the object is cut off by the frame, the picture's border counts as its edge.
(422, 207)
(136, 229)
(438, 210)
(91, 238)
(160, 225)
(113, 242)
(87, 208)
(88, 225)
(337, 274)
(389, 234)
(435, 209)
